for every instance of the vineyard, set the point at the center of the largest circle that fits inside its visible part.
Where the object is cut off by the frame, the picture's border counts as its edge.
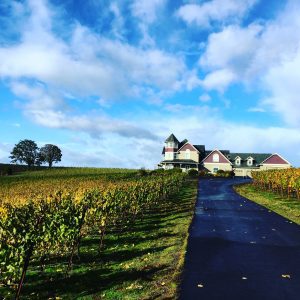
(285, 182)
(45, 216)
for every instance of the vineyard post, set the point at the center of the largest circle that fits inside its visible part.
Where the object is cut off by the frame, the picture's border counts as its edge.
(25, 267)
(103, 229)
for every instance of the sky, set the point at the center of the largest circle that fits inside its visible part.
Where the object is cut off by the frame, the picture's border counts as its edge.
(109, 81)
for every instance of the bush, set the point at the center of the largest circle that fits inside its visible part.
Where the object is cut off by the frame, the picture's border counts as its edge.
(174, 170)
(220, 172)
(157, 172)
(203, 173)
(193, 173)
(142, 172)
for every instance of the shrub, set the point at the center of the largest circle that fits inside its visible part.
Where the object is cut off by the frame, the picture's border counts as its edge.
(203, 173)
(193, 173)
(174, 170)
(220, 172)
(157, 172)
(142, 172)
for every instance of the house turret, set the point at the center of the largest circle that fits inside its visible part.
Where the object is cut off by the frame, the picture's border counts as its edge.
(171, 147)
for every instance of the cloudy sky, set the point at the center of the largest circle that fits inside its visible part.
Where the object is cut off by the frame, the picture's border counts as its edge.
(108, 81)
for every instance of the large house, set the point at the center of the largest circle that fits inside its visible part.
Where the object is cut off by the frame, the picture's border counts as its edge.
(187, 156)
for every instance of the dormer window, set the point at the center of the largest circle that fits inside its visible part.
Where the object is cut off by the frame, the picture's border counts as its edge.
(238, 161)
(216, 157)
(249, 161)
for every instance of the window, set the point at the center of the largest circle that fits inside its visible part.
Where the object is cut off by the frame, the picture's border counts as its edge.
(187, 154)
(238, 161)
(169, 155)
(250, 161)
(171, 145)
(216, 170)
(216, 157)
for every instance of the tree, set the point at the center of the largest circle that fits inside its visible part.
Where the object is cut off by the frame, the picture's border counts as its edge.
(50, 154)
(26, 151)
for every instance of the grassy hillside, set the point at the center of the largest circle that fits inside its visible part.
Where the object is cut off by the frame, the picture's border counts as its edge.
(289, 208)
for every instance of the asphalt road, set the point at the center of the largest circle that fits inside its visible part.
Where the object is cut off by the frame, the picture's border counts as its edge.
(238, 249)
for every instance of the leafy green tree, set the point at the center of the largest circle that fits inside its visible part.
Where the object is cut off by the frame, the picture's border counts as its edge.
(26, 151)
(50, 154)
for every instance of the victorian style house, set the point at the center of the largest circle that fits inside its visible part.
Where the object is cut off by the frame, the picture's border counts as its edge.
(187, 156)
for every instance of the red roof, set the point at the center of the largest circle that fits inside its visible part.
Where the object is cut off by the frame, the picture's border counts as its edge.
(276, 160)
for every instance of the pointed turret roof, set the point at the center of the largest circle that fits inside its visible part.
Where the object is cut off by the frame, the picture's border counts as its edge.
(171, 138)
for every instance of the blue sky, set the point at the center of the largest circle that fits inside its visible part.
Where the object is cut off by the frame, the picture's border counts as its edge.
(108, 81)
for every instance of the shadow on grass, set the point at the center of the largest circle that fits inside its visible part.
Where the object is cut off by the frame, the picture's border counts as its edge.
(87, 283)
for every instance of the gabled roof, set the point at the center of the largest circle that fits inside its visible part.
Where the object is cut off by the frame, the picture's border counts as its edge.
(182, 143)
(189, 144)
(171, 138)
(278, 156)
(222, 152)
(200, 148)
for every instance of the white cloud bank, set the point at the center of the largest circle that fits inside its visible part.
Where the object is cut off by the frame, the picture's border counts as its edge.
(267, 55)
(88, 64)
(42, 68)
(214, 11)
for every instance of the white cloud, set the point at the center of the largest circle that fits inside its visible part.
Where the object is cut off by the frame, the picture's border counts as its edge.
(106, 152)
(233, 47)
(283, 83)
(219, 80)
(205, 98)
(216, 10)
(147, 10)
(44, 69)
(103, 103)
(5, 149)
(49, 110)
(256, 109)
(266, 56)
(98, 63)
(118, 26)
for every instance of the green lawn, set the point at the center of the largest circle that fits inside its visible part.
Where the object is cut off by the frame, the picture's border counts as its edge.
(289, 208)
(143, 262)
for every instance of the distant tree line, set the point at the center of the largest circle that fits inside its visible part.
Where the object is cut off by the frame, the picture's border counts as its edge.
(27, 151)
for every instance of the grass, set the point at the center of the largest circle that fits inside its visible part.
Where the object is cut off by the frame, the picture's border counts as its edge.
(288, 208)
(143, 262)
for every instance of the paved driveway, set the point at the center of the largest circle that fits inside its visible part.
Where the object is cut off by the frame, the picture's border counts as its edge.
(238, 249)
